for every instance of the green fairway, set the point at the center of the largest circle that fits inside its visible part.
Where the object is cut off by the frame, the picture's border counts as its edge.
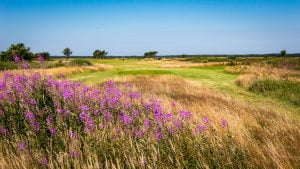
(210, 76)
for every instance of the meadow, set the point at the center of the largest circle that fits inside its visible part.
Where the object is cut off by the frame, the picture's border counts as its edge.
(148, 113)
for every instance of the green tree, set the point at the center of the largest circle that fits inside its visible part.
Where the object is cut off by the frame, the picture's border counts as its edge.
(46, 55)
(67, 52)
(99, 54)
(19, 50)
(283, 53)
(150, 54)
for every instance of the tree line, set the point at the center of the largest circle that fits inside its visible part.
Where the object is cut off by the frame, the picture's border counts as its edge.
(24, 53)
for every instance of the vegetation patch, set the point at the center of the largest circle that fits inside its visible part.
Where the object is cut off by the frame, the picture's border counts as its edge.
(8, 66)
(281, 89)
(81, 62)
(144, 72)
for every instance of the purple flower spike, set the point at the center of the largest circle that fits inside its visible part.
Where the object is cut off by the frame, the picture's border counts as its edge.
(4, 132)
(73, 153)
(17, 59)
(44, 161)
(139, 134)
(159, 135)
(22, 146)
(206, 120)
(201, 128)
(32, 102)
(185, 114)
(127, 120)
(40, 58)
(224, 123)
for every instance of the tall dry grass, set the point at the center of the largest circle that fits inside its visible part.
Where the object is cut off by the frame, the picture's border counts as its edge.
(258, 135)
(56, 72)
(263, 132)
(255, 72)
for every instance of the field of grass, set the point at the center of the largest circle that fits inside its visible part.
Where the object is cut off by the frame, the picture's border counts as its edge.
(200, 117)
(210, 76)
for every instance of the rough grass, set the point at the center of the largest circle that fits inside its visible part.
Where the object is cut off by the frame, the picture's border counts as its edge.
(281, 89)
(277, 83)
(257, 136)
(59, 71)
(263, 133)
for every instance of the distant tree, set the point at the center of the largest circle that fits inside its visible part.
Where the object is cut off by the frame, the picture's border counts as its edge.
(283, 53)
(67, 52)
(150, 54)
(99, 54)
(19, 50)
(46, 55)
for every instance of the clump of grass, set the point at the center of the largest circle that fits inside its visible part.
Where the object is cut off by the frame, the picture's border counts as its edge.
(281, 89)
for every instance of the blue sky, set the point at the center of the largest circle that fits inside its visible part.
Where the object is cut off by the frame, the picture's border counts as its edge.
(131, 27)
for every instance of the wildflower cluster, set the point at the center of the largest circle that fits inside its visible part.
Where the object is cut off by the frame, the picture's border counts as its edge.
(46, 109)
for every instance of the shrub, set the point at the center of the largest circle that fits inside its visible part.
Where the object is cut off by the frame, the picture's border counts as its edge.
(99, 54)
(232, 63)
(45, 55)
(19, 50)
(7, 66)
(80, 62)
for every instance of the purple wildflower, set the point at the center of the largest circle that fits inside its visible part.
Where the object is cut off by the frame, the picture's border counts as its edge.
(185, 114)
(4, 132)
(107, 115)
(206, 120)
(171, 130)
(17, 59)
(127, 120)
(169, 116)
(159, 135)
(224, 123)
(73, 153)
(53, 131)
(44, 161)
(32, 102)
(139, 133)
(22, 146)
(201, 128)
(178, 124)
(30, 116)
(84, 108)
(25, 65)
(147, 124)
(40, 58)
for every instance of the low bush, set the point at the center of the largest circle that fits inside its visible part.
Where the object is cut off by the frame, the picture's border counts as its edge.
(80, 62)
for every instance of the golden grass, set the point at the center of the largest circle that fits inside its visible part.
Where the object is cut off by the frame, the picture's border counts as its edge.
(252, 73)
(263, 131)
(62, 70)
(262, 135)
(178, 64)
